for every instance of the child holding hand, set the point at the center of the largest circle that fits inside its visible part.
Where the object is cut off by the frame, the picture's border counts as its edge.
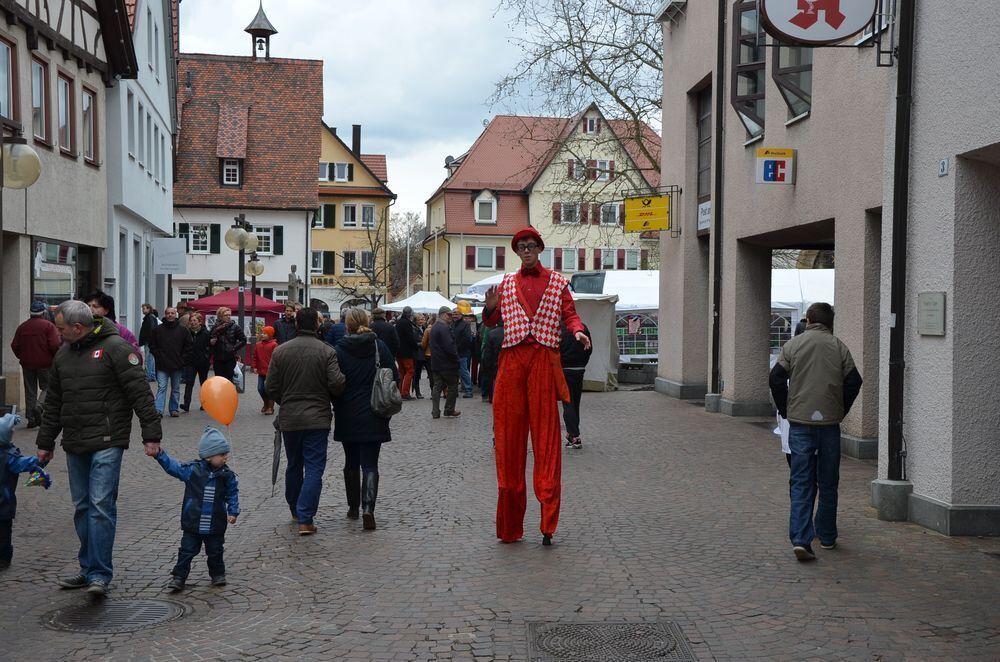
(211, 501)
(12, 463)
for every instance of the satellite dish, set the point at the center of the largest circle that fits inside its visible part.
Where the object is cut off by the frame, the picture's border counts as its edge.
(448, 160)
(486, 122)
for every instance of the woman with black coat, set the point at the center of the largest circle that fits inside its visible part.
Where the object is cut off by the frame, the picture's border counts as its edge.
(200, 358)
(356, 426)
(227, 340)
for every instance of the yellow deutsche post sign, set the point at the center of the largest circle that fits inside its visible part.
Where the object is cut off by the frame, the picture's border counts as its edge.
(644, 214)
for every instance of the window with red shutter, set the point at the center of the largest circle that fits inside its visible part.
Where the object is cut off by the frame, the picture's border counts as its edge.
(582, 259)
(597, 259)
(569, 167)
(470, 257)
(557, 259)
(556, 213)
(500, 258)
(597, 127)
(644, 258)
(611, 171)
(595, 214)
(621, 214)
(621, 258)
(591, 169)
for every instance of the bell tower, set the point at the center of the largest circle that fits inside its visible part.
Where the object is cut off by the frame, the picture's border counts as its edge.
(260, 30)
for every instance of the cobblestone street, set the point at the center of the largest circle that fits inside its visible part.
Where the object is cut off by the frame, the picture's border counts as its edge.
(668, 514)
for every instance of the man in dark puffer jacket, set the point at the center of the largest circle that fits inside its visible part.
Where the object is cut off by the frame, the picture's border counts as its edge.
(97, 382)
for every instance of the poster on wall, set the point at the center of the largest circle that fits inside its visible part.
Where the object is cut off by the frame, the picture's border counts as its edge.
(169, 255)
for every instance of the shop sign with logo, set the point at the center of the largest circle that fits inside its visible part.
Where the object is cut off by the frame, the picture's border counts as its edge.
(775, 166)
(644, 214)
(705, 216)
(816, 22)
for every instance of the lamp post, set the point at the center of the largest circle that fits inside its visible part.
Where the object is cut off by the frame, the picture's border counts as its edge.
(238, 238)
(253, 269)
(20, 167)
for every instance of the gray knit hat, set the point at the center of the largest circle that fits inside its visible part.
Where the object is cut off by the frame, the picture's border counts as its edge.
(212, 443)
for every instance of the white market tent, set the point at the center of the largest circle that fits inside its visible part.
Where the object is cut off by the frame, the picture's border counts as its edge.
(796, 289)
(421, 302)
(597, 311)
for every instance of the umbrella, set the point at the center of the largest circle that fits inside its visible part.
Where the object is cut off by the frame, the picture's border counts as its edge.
(277, 456)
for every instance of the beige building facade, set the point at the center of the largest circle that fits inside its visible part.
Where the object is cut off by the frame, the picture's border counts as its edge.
(807, 100)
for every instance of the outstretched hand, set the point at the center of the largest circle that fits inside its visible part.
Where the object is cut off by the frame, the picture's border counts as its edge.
(492, 298)
(583, 339)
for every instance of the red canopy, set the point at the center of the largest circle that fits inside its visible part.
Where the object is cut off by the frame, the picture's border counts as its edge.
(269, 310)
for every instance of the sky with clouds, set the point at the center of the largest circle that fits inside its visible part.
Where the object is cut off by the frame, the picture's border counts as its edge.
(414, 73)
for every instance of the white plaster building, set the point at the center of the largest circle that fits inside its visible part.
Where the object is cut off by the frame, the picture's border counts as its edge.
(141, 122)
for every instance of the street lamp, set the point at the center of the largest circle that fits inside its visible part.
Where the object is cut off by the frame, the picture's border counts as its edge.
(238, 238)
(253, 268)
(20, 167)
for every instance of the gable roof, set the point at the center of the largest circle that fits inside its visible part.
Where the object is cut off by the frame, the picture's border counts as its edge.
(375, 164)
(283, 102)
(513, 150)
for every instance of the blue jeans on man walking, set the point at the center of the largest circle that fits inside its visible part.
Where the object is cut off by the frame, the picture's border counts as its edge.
(161, 390)
(465, 374)
(93, 486)
(815, 468)
(305, 451)
(150, 364)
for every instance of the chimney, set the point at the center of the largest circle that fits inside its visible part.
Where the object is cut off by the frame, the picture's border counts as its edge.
(356, 139)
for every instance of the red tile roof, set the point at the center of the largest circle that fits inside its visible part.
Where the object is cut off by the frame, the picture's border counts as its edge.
(514, 149)
(285, 102)
(376, 163)
(459, 210)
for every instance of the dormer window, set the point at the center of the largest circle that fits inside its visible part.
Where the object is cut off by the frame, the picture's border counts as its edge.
(336, 172)
(486, 208)
(231, 172)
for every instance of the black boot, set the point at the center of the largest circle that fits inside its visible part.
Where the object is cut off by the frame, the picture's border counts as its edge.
(352, 486)
(369, 493)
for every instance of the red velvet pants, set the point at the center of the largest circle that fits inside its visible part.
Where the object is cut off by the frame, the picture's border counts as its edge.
(524, 399)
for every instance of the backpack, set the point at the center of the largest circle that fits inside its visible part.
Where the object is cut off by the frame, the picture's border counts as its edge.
(386, 399)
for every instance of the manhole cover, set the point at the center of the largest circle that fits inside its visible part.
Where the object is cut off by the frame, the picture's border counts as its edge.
(112, 616)
(607, 642)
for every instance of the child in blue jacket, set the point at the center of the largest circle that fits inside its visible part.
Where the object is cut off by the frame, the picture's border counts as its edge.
(12, 463)
(211, 501)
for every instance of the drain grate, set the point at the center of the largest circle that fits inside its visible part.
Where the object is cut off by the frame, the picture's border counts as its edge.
(111, 616)
(662, 641)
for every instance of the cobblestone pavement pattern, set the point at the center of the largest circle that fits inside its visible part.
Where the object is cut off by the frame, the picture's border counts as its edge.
(668, 513)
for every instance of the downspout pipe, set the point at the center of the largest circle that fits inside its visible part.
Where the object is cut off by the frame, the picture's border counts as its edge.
(900, 218)
(718, 138)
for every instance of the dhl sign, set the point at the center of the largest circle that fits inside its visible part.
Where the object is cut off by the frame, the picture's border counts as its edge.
(646, 214)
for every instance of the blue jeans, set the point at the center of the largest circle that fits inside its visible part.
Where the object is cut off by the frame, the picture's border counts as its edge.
(161, 390)
(465, 374)
(150, 364)
(815, 467)
(260, 387)
(93, 486)
(305, 451)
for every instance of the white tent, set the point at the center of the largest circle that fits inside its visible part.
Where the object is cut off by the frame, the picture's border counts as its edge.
(597, 311)
(797, 289)
(637, 291)
(421, 302)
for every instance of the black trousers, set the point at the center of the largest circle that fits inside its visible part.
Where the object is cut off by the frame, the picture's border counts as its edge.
(418, 369)
(189, 374)
(444, 379)
(225, 367)
(363, 455)
(6, 548)
(571, 409)
(191, 546)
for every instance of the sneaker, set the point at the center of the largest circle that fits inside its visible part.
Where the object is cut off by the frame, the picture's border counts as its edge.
(829, 545)
(175, 585)
(569, 442)
(97, 588)
(76, 581)
(804, 553)
(219, 580)
(185, 408)
(452, 414)
(577, 444)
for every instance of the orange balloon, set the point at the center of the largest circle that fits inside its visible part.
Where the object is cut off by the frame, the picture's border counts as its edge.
(218, 397)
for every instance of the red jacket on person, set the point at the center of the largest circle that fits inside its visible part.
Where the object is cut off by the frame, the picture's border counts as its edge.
(262, 356)
(35, 342)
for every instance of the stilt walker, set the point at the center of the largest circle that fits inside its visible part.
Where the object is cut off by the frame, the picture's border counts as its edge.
(532, 303)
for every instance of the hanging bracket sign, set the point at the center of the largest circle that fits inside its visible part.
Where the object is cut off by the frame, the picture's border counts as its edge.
(815, 22)
(648, 213)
